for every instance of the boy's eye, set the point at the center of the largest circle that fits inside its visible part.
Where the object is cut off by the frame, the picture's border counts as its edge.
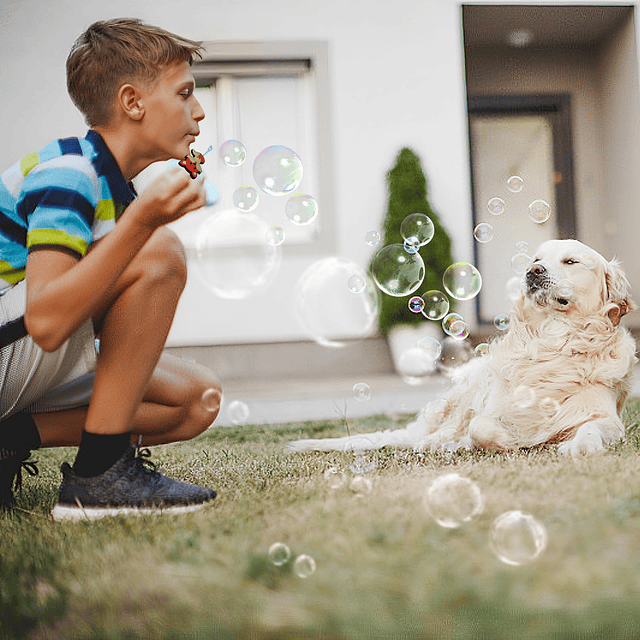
(185, 94)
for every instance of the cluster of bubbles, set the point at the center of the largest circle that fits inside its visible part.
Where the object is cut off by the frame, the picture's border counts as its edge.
(398, 270)
(280, 555)
(515, 538)
(238, 253)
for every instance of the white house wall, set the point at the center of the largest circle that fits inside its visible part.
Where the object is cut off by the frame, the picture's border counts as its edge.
(396, 79)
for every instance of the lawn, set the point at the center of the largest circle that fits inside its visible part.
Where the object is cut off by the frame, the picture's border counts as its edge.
(384, 568)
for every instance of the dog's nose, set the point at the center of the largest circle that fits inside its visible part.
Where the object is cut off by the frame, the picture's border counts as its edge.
(536, 270)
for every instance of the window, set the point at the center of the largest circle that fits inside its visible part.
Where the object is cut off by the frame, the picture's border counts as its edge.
(265, 94)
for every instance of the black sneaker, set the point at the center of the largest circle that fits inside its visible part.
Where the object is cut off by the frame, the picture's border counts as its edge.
(131, 486)
(11, 465)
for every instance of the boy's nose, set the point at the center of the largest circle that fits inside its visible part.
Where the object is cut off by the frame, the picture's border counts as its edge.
(198, 112)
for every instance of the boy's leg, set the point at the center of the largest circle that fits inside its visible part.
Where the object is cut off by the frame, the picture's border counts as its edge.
(171, 411)
(133, 329)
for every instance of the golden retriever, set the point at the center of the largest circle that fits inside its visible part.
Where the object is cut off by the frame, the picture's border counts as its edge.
(560, 374)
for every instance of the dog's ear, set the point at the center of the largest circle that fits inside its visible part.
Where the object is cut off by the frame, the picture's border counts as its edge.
(617, 292)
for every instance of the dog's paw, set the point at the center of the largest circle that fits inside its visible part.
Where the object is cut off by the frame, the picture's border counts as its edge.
(588, 439)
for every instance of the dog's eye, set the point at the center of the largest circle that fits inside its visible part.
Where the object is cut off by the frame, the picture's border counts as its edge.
(570, 261)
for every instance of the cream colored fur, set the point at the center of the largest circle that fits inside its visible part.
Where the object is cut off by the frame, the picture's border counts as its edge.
(559, 375)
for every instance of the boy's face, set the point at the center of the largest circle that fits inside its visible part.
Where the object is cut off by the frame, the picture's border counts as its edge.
(171, 114)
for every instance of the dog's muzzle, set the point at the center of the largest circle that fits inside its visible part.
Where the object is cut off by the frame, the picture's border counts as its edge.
(537, 279)
(542, 288)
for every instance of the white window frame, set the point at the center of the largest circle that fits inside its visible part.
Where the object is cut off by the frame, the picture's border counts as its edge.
(308, 59)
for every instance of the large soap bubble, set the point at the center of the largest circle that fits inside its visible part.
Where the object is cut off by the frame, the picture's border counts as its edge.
(328, 310)
(397, 272)
(462, 281)
(517, 538)
(418, 226)
(277, 170)
(233, 259)
(453, 500)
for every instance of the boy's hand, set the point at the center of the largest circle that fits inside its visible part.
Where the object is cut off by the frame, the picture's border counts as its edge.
(170, 196)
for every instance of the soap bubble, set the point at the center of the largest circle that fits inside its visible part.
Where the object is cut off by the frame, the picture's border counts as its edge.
(515, 184)
(411, 245)
(277, 170)
(245, 199)
(454, 354)
(274, 235)
(462, 281)
(453, 500)
(514, 288)
(501, 322)
(304, 566)
(436, 305)
(520, 263)
(565, 289)
(360, 485)
(431, 347)
(483, 232)
(418, 226)
(361, 391)
(232, 258)
(414, 364)
(238, 412)
(357, 283)
(416, 304)
(517, 538)
(549, 407)
(522, 246)
(211, 399)
(327, 310)
(333, 477)
(524, 397)
(372, 238)
(232, 153)
(481, 349)
(588, 260)
(279, 553)
(301, 209)
(397, 272)
(454, 325)
(496, 206)
(539, 211)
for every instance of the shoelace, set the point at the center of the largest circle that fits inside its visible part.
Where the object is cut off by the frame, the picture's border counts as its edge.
(30, 466)
(142, 458)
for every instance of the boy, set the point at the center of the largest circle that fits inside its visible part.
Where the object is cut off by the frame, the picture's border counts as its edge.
(82, 256)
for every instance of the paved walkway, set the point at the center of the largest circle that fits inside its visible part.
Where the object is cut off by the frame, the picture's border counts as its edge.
(278, 401)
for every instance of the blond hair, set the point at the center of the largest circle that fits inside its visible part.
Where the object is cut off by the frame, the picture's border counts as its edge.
(112, 52)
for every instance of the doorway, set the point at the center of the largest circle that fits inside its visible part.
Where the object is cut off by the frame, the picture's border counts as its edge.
(522, 186)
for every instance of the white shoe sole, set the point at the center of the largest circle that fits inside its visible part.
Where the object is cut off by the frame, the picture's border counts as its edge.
(68, 512)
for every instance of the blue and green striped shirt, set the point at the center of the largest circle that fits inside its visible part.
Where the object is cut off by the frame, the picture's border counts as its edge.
(64, 197)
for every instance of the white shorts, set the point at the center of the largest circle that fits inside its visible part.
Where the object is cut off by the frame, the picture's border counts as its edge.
(35, 381)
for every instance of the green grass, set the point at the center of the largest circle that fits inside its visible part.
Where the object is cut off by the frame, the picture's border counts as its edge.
(385, 569)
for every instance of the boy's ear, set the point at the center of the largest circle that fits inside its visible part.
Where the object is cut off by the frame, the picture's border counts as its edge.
(129, 101)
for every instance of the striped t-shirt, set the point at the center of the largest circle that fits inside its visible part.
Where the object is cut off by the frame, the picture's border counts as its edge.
(64, 197)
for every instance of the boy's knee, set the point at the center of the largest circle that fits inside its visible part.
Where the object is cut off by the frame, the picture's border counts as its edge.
(205, 401)
(164, 257)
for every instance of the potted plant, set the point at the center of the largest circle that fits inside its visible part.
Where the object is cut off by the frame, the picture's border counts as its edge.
(407, 189)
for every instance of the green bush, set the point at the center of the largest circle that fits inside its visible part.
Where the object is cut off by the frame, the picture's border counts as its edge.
(407, 188)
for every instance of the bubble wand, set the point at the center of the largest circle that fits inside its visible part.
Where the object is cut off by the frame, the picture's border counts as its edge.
(192, 163)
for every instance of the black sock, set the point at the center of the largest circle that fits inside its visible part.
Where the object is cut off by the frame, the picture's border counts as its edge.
(19, 433)
(98, 452)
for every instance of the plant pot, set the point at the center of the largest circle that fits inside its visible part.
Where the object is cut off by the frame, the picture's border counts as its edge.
(410, 361)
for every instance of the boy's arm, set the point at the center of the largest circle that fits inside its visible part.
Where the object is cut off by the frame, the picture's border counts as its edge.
(62, 291)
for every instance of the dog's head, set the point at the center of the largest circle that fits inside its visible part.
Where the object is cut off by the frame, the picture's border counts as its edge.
(569, 277)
